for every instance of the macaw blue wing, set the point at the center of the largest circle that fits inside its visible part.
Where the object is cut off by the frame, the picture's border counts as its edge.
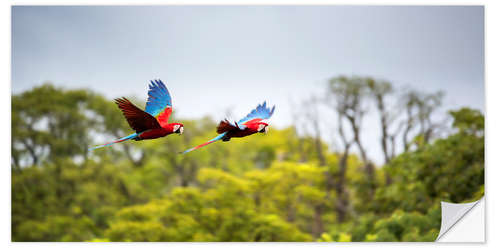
(159, 102)
(261, 112)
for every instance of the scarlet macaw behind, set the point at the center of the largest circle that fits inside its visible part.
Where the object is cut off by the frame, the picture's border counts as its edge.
(153, 122)
(249, 125)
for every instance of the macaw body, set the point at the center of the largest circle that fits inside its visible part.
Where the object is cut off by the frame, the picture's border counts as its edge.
(230, 131)
(152, 122)
(154, 133)
(249, 125)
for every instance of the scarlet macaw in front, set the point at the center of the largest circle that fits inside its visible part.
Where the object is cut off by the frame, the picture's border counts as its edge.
(153, 122)
(249, 125)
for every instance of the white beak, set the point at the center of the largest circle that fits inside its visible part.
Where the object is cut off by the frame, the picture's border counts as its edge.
(181, 130)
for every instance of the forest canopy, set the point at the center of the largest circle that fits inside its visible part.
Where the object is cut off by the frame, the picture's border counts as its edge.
(283, 186)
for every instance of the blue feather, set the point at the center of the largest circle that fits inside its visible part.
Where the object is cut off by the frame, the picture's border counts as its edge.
(158, 98)
(219, 137)
(126, 138)
(261, 112)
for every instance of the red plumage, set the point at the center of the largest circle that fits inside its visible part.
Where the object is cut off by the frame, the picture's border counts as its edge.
(249, 128)
(251, 124)
(163, 116)
(138, 120)
(150, 123)
(224, 126)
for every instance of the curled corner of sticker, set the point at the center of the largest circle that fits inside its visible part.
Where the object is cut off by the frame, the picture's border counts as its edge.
(452, 213)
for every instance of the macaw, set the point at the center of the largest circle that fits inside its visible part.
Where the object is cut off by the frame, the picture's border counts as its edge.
(251, 124)
(151, 123)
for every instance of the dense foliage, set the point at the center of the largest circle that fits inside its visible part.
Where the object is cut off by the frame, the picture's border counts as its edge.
(270, 187)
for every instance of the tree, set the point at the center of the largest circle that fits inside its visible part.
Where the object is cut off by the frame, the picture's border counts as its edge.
(468, 121)
(311, 113)
(422, 179)
(419, 110)
(283, 186)
(380, 91)
(44, 127)
(349, 95)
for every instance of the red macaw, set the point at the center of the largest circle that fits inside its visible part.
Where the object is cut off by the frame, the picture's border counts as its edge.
(249, 125)
(153, 122)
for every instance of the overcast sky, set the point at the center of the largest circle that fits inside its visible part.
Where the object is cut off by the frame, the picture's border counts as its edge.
(215, 58)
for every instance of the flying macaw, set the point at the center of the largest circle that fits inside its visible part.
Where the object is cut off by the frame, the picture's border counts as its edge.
(153, 122)
(249, 125)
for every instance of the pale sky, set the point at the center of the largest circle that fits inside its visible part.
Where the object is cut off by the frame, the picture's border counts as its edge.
(215, 58)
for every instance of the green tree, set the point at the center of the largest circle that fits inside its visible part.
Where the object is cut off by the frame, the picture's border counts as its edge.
(283, 186)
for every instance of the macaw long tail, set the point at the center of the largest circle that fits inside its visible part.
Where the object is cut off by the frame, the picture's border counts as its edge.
(126, 138)
(206, 143)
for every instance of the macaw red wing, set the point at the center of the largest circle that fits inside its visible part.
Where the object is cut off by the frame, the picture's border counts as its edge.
(137, 119)
(159, 102)
(256, 120)
(225, 126)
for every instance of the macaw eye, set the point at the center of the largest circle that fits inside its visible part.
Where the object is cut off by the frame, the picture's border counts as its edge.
(261, 127)
(176, 127)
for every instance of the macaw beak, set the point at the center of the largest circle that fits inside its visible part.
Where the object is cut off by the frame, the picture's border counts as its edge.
(181, 130)
(266, 129)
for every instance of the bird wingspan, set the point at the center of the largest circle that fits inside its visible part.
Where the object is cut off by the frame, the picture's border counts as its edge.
(261, 112)
(137, 119)
(159, 103)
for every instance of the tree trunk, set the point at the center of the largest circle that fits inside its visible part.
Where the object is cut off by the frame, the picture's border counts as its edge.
(342, 198)
(319, 151)
(369, 168)
(32, 152)
(290, 217)
(318, 222)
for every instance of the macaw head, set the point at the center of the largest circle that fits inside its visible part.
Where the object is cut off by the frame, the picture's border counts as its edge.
(262, 127)
(177, 128)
